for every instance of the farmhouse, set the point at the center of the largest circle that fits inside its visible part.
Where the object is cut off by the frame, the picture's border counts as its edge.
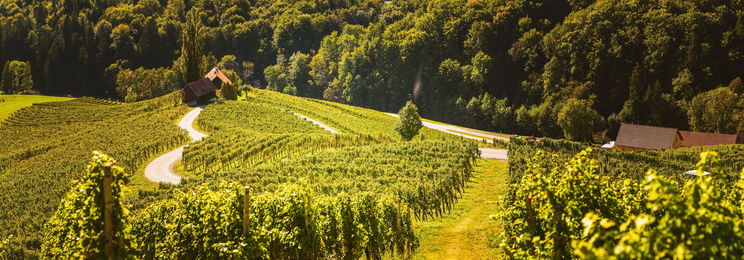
(203, 90)
(636, 137)
(217, 77)
(703, 139)
(199, 91)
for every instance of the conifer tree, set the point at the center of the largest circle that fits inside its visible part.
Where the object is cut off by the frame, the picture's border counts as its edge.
(410, 121)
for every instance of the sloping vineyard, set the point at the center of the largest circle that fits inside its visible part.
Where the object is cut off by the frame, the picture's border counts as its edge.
(247, 134)
(230, 221)
(427, 175)
(620, 164)
(606, 203)
(317, 195)
(344, 118)
(42, 147)
(258, 142)
(291, 223)
(225, 151)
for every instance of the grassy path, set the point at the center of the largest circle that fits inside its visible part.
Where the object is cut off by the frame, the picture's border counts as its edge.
(466, 232)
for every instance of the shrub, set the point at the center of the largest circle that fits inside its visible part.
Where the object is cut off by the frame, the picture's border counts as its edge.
(229, 92)
(410, 121)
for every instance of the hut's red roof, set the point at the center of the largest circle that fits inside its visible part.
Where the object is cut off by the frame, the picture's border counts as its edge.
(217, 73)
(702, 139)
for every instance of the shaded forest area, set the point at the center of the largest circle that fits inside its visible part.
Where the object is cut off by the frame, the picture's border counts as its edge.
(570, 68)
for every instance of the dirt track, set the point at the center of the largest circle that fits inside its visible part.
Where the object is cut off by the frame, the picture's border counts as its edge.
(486, 153)
(161, 169)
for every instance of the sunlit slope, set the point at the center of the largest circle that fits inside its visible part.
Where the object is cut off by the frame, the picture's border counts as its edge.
(45, 146)
(344, 118)
(11, 103)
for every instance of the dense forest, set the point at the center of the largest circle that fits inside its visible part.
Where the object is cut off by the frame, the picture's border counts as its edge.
(568, 68)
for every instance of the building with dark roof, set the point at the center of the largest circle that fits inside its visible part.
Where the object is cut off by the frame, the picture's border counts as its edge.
(703, 139)
(637, 137)
(199, 91)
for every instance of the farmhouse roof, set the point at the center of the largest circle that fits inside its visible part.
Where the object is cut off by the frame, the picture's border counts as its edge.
(646, 137)
(702, 139)
(217, 73)
(201, 87)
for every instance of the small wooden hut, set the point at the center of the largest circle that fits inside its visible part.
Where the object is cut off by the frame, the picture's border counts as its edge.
(199, 91)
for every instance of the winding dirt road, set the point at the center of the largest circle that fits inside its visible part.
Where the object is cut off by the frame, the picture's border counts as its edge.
(486, 153)
(161, 169)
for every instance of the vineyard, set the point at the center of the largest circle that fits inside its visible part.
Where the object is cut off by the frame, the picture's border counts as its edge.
(344, 118)
(364, 172)
(566, 200)
(269, 184)
(227, 222)
(259, 142)
(316, 194)
(42, 147)
(427, 175)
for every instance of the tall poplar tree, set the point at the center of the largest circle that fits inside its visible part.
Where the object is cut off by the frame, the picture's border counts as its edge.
(192, 48)
(5, 82)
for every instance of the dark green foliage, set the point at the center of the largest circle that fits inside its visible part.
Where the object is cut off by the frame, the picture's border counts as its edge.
(229, 91)
(578, 120)
(192, 49)
(737, 86)
(638, 60)
(142, 84)
(410, 121)
(714, 111)
(16, 77)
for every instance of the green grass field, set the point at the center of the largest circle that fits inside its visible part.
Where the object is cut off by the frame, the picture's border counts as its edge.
(12, 103)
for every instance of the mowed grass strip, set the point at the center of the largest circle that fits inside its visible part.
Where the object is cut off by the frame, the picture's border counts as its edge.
(467, 231)
(12, 103)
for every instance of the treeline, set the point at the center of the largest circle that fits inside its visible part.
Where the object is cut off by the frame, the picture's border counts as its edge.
(78, 46)
(560, 68)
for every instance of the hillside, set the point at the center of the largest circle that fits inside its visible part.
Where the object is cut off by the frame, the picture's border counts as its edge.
(247, 140)
(504, 65)
(360, 191)
(45, 146)
(12, 103)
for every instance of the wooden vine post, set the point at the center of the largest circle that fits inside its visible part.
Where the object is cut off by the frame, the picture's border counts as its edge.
(246, 210)
(108, 211)
(398, 236)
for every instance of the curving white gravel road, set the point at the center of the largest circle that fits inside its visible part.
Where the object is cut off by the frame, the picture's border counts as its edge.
(486, 153)
(161, 169)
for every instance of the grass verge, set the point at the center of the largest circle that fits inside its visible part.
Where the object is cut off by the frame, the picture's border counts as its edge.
(467, 231)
